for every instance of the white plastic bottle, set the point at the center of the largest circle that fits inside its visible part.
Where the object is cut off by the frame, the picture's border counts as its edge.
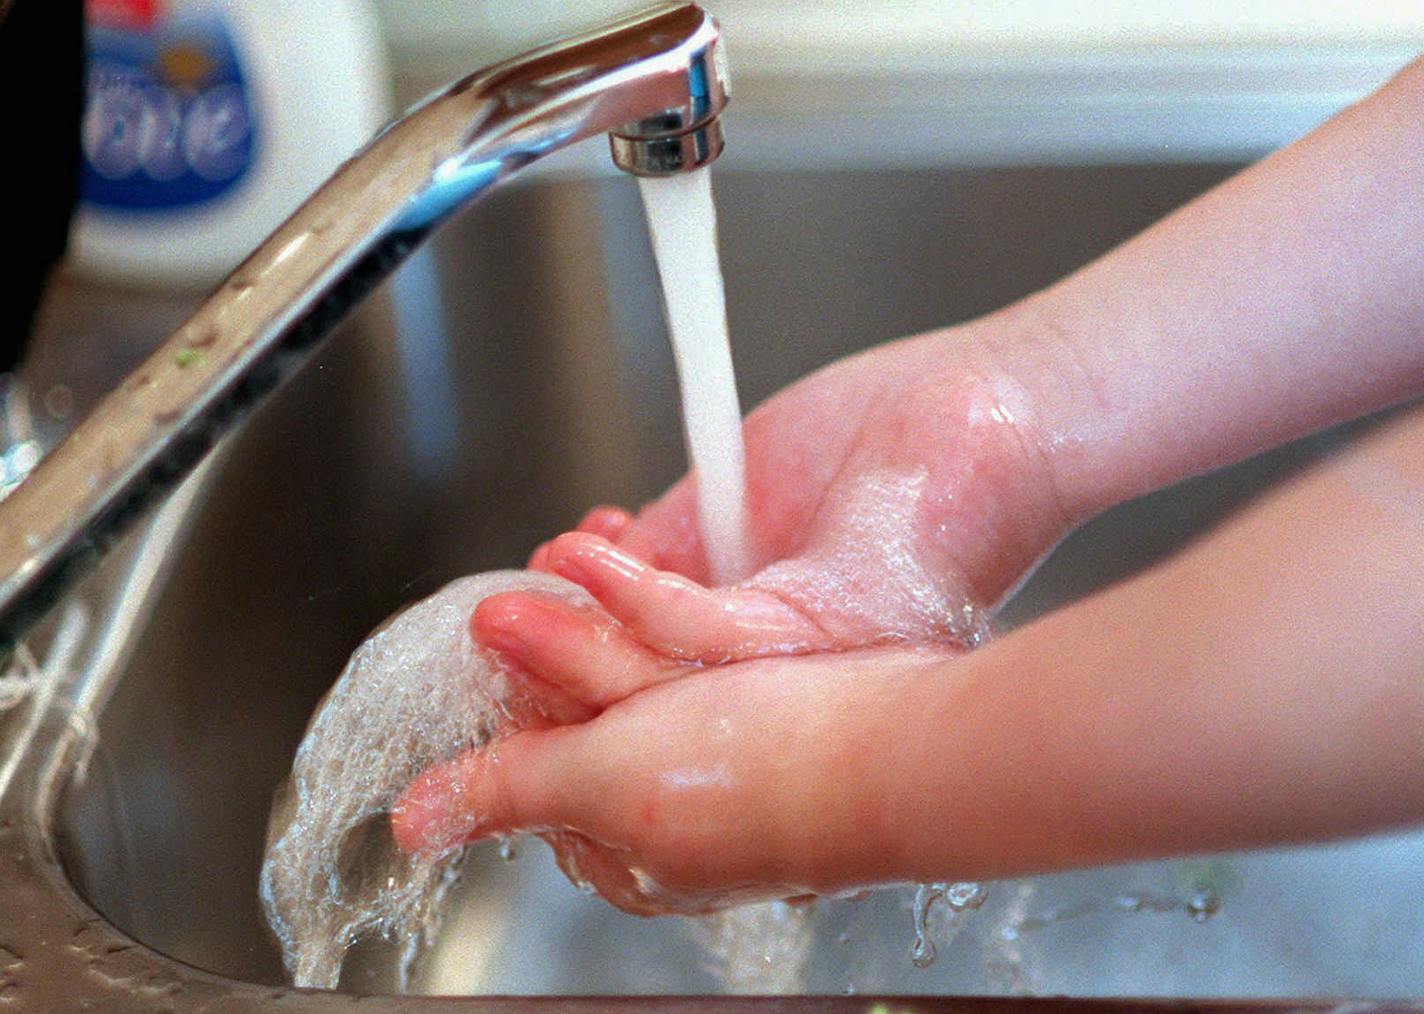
(208, 122)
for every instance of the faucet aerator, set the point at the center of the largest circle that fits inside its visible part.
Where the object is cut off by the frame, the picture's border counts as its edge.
(668, 155)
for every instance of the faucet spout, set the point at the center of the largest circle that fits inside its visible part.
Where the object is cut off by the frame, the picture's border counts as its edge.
(655, 82)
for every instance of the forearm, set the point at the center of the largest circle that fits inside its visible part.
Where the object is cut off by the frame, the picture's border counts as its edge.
(1287, 299)
(1262, 687)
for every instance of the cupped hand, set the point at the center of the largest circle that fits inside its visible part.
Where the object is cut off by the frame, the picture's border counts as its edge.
(893, 496)
(956, 412)
(753, 780)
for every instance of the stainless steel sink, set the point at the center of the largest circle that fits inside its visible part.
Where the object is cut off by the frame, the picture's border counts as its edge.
(516, 373)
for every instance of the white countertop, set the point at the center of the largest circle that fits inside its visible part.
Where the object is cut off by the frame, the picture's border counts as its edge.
(912, 83)
(807, 32)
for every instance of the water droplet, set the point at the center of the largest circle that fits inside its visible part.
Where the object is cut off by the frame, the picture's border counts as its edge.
(843, 939)
(1203, 904)
(960, 897)
(508, 848)
(923, 953)
(965, 895)
(1127, 903)
(646, 884)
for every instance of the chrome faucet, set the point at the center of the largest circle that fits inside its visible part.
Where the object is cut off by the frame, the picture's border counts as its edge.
(654, 82)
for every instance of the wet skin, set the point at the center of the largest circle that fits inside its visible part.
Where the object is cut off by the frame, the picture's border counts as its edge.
(1194, 707)
(1262, 686)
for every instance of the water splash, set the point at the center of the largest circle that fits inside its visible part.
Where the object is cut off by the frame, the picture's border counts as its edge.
(1203, 904)
(18, 678)
(958, 897)
(416, 693)
(760, 949)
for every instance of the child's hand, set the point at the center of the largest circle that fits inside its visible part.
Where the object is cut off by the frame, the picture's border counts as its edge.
(943, 407)
(736, 739)
(1202, 705)
(897, 515)
(1263, 686)
(752, 780)
(892, 496)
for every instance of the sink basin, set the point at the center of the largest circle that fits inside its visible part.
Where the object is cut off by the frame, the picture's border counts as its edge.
(514, 373)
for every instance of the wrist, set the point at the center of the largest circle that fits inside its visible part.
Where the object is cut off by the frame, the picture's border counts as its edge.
(989, 410)
(858, 790)
(1042, 352)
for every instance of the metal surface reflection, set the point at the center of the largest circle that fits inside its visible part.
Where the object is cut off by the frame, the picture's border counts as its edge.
(651, 77)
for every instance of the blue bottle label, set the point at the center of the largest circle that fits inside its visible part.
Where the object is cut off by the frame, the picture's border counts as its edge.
(169, 121)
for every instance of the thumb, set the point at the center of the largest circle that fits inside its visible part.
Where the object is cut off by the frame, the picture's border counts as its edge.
(520, 782)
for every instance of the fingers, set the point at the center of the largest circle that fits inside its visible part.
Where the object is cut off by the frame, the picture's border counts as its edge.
(523, 783)
(672, 614)
(593, 867)
(563, 655)
(517, 783)
(608, 522)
